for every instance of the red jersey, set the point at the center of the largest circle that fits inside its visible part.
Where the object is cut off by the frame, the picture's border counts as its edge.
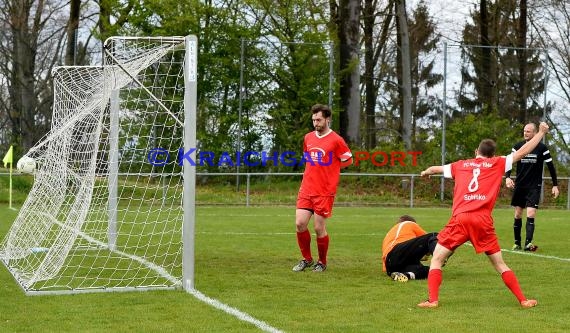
(477, 182)
(323, 155)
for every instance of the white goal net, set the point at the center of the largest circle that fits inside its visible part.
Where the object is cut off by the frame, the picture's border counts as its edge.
(110, 196)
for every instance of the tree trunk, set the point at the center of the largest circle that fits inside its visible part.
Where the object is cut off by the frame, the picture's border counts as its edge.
(104, 23)
(22, 97)
(485, 53)
(349, 37)
(488, 80)
(72, 25)
(370, 87)
(405, 77)
(522, 59)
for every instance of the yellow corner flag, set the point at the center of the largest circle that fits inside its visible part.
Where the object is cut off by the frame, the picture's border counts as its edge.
(9, 157)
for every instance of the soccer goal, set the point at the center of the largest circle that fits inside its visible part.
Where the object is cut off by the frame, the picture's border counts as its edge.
(112, 204)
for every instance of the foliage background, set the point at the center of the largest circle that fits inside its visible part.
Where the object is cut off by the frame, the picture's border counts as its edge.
(262, 64)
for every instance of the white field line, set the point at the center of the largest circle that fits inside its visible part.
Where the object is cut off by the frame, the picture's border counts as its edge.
(291, 216)
(523, 253)
(530, 254)
(266, 327)
(230, 233)
(234, 312)
(534, 254)
(210, 301)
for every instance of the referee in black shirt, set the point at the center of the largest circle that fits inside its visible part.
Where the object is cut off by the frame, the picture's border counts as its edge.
(527, 186)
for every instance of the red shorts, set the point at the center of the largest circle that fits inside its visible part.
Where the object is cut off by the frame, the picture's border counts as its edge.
(320, 205)
(473, 227)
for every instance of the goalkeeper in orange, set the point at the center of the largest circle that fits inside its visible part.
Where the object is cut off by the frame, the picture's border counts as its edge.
(404, 247)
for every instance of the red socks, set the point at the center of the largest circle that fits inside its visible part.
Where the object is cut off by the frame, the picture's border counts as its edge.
(304, 241)
(434, 281)
(323, 247)
(510, 280)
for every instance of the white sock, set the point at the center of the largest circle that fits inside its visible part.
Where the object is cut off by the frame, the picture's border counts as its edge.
(412, 275)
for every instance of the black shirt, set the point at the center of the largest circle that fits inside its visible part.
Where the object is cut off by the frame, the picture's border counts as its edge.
(529, 168)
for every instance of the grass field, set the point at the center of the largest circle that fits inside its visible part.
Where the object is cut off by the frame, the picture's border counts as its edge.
(244, 258)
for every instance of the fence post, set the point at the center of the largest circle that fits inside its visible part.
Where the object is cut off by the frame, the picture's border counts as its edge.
(247, 191)
(412, 192)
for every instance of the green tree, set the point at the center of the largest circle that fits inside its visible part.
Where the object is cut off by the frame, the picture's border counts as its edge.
(423, 45)
(277, 53)
(293, 62)
(464, 134)
(493, 79)
(113, 16)
(219, 26)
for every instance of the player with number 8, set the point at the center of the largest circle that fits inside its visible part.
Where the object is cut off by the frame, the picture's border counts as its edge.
(477, 184)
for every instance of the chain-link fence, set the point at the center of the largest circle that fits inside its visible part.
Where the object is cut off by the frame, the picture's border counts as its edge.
(280, 189)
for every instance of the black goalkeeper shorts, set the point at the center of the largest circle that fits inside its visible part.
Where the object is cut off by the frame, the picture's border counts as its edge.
(526, 197)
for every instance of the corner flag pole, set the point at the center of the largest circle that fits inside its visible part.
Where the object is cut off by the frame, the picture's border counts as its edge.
(10, 186)
(9, 158)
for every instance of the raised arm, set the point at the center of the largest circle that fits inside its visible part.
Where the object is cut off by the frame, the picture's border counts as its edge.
(531, 144)
(432, 170)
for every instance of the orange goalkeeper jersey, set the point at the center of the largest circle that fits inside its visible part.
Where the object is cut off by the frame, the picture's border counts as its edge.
(399, 233)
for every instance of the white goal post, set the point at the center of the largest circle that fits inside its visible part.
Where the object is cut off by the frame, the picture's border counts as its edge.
(112, 204)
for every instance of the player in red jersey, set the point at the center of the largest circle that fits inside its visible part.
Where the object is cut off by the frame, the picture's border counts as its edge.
(477, 184)
(325, 153)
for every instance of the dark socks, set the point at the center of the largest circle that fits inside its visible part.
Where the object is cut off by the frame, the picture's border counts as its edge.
(517, 226)
(529, 229)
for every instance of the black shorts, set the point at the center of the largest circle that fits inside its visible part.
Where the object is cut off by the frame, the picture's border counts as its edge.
(526, 197)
